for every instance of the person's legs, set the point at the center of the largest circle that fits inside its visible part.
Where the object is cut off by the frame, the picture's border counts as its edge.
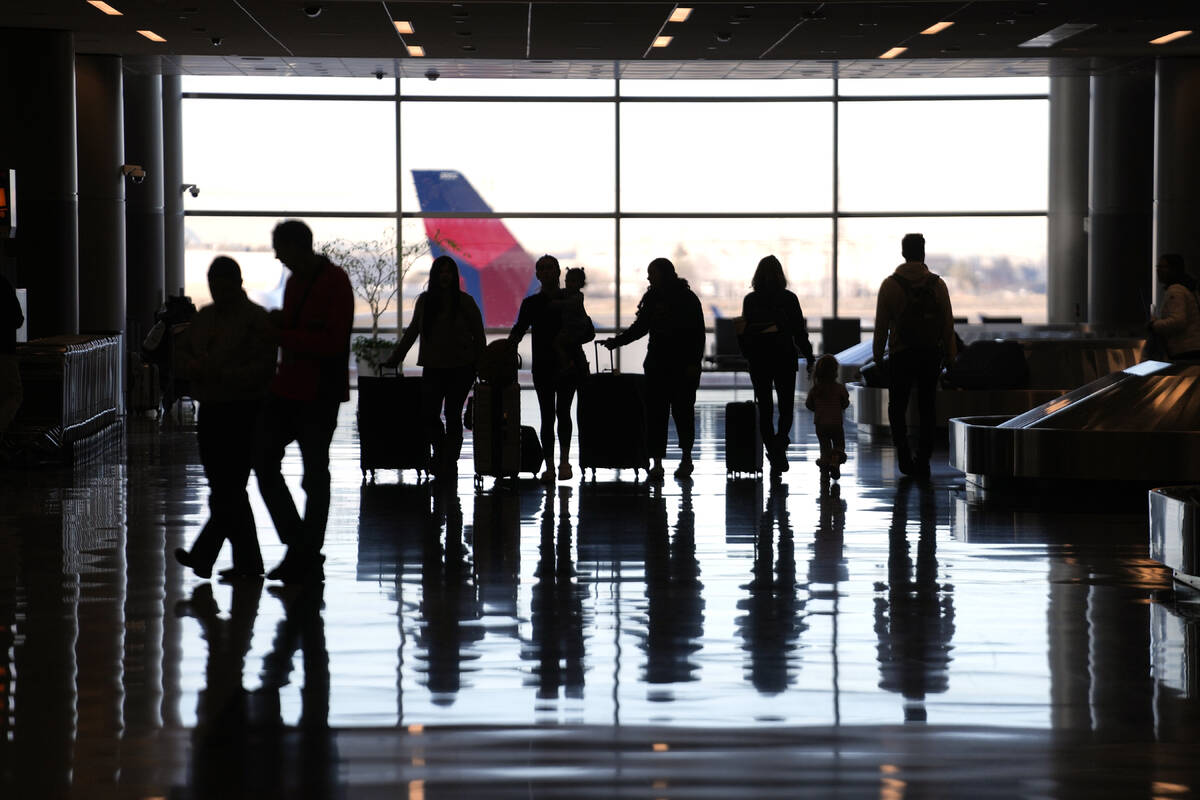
(435, 383)
(785, 388)
(898, 393)
(683, 410)
(761, 380)
(545, 397)
(458, 386)
(928, 367)
(658, 404)
(243, 535)
(825, 443)
(565, 396)
(278, 427)
(316, 433)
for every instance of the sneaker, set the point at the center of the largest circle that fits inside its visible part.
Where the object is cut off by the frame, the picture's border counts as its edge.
(548, 476)
(821, 463)
(184, 557)
(564, 471)
(655, 474)
(841, 456)
(685, 469)
(235, 574)
(835, 472)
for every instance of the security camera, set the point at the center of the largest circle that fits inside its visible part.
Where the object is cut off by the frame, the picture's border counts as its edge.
(135, 172)
(378, 74)
(192, 189)
(216, 41)
(312, 12)
(432, 74)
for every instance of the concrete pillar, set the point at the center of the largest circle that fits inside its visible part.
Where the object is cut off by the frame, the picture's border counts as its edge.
(145, 252)
(101, 193)
(37, 139)
(1176, 161)
(1067, 240)
(172, 126)
(1120, 254)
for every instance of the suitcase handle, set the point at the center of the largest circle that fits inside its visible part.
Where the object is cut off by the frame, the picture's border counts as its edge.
(612, 365)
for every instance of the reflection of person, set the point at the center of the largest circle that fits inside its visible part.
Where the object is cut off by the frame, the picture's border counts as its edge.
(828, 399)
(312, 380)
(11, 318)
(230, 360)
(555, 386)
(775, 335)
(452, 341)
(670, 313)
(674, 599)
(1179, 320)
(914, 319)
(556, 606)
(915, 620)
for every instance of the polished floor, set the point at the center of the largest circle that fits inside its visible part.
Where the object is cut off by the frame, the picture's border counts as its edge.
(713, 639)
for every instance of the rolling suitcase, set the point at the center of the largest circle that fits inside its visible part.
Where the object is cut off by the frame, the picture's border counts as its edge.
(144, 392)
(390, 430)
(743, 441)
(496, 431)
(612, 420)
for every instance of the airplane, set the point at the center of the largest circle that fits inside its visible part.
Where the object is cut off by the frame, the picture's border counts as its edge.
(492, 265)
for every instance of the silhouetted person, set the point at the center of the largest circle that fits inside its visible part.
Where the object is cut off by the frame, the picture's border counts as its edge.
(674, 599)
(11, 319)
(554, 383)
(577, 328)
(313, 379)
(774, 337)
(230, 361)
(914, 319)
(773, 622)
(915, 621)
(1178, 321)
(452, 340)
(556, 607)
(670, 313)
(828, 400)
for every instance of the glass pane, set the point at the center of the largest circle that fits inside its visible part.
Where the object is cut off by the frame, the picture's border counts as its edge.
(942, 86)
(748, 157)
(267, 155)
(986, 155)
(248, 241)
(992, 265)
(515, 156)
(749, 87)
(283, 84)
(511, 87)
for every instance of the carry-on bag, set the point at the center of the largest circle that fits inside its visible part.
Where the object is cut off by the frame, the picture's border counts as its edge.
(989, 364)
(391, 431)
(612, 420)
(496, 431)
(743, 440)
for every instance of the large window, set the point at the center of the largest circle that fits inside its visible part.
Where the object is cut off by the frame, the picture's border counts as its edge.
(608, 174)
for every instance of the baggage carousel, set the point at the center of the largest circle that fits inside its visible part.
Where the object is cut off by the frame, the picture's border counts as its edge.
(1175, 532)
(1140, 425)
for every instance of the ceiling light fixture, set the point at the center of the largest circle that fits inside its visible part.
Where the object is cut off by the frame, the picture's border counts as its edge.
(105, 7)
(403, 27)
(1170, 37)
(937, 27)
(895, 51)
(1056, 35)
(152, 36)
(662, 41)
(416, 51)
(680, 14)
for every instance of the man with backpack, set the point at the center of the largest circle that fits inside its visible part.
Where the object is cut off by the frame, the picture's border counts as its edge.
(913, 318)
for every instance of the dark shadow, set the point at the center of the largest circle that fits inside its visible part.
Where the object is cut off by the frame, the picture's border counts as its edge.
(914, 615)
(674, 604)
(773, 620)
(743, 510)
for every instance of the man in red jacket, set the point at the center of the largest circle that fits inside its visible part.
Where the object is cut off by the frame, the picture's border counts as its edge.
(311, 381)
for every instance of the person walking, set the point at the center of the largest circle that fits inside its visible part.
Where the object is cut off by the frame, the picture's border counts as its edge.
(554, 384)
(311, 382)
(774, 337)
(828, 400)
(230, 360)
(670, 314)
(1178, 322)
(915, 321)
(450, 328)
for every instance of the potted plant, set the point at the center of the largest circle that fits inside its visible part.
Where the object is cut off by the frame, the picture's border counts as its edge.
(376, 269)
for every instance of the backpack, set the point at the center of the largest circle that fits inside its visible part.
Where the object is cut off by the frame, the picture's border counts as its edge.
(921, 322)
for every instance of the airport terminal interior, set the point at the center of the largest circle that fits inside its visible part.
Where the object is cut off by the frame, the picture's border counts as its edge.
(1022, 622)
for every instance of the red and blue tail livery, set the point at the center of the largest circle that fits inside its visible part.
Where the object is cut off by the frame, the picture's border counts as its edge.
(493, 266)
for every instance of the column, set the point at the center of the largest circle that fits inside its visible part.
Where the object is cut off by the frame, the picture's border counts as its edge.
(144, 227)
(1176, 162)
(37, 139)
(172, 127)
(1122, 184)
(1067, 250)
(101, 193)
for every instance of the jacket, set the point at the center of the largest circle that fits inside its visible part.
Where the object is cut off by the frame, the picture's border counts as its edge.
(314, 336)
(890, 304)
(1179, 322)
(776, 331)
(674, 319)
(227, 352)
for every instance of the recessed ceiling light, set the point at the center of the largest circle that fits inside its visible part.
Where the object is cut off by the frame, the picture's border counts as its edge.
(662, 41)
(895, 51)
(403, 27)
(152, 36)
(937, 27)
(416, 51)
(105, 7)
(680, 14)
(1170, 37)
